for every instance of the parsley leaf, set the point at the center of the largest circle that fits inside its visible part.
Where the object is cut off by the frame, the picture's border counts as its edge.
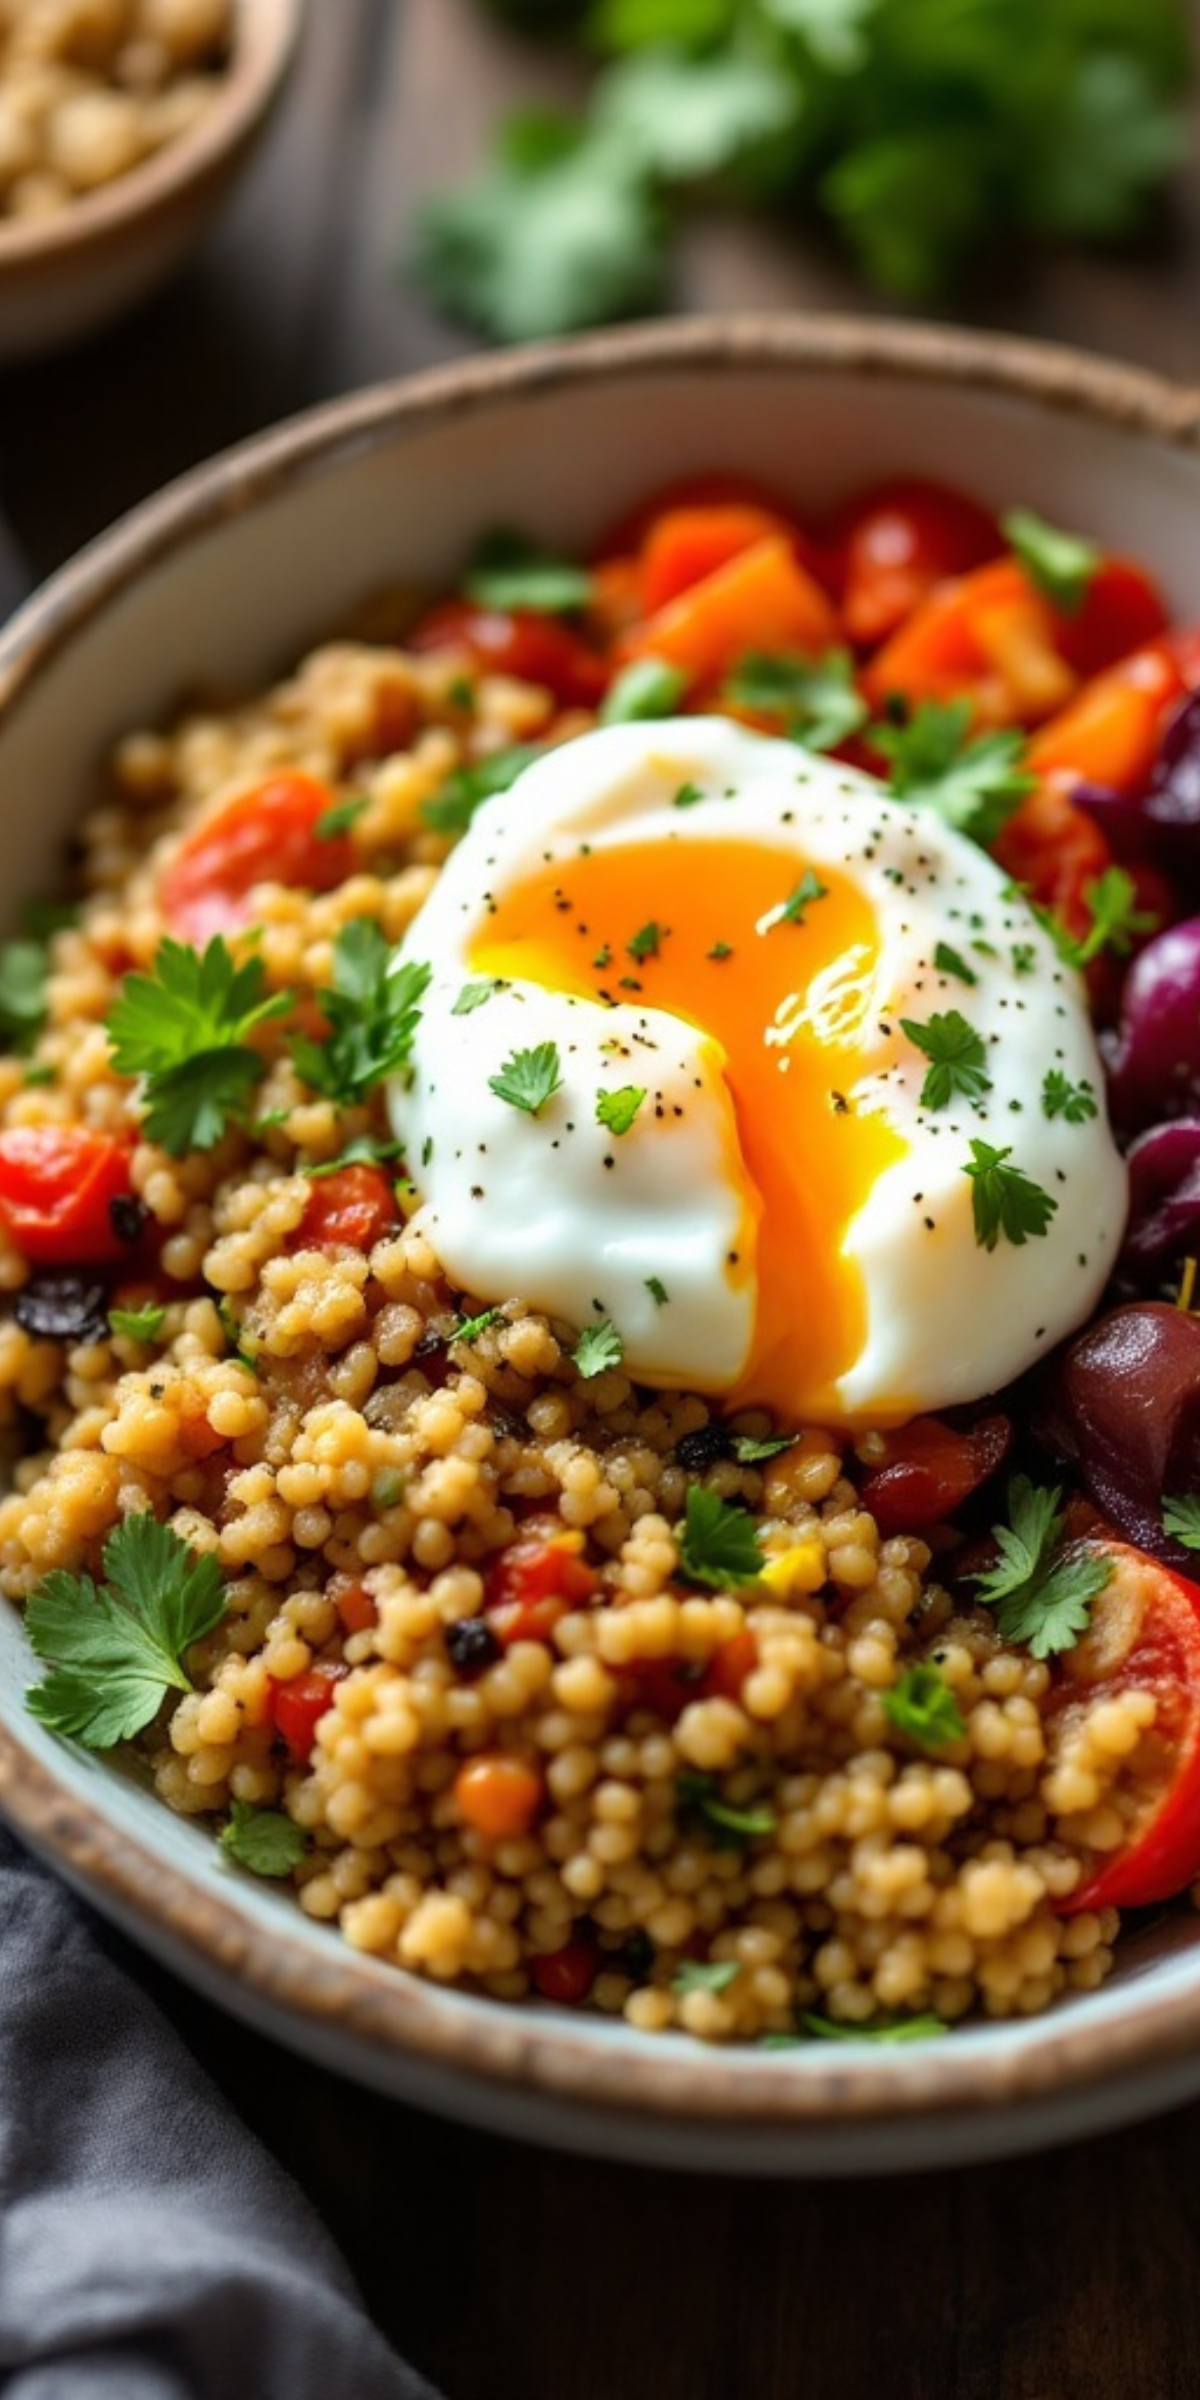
(657, 1291)
(138, 1324)
(508, 572)
(617, 1110)
(880, 2029)
(750, 1449)
(1111, 902)
(529, 1078)
(1041, 1592)
(339, 819)
(646, 688)
(922, 1705)
(373, 1008)
(719, 1543)
(647, 941)
(1181, 1519)
(958, 1059)
(184, 1030)
(729, 1826)
(792, 910)
(1061, 565)
(1005, 1200)
(451, 809)
(951, 962)
(363, 1151)
(973, 782)
(558, 231)
(816, 696)
(598, 1348)
(684, 118)
(1062, 1098)
(114, 1651)
(263, 1840)
(473, 995)
(23, 970)
(468, 1329)
(705, 1975)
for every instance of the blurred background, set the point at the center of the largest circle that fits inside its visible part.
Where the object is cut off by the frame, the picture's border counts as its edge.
(446, 172)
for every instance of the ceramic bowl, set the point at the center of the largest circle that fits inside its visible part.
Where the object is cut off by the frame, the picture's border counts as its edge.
(225, 577)
(64, 276)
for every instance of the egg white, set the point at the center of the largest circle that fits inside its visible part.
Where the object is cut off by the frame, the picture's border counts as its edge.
(516, 1204)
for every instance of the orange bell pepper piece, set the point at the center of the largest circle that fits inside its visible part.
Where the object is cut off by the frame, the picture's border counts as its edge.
(685, 545)
(1110, 732)
(988, 637)
(762, 599)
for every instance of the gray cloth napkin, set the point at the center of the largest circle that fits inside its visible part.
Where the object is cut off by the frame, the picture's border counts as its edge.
(149, 2248)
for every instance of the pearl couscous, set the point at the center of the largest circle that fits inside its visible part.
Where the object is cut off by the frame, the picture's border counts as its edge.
(89, 88)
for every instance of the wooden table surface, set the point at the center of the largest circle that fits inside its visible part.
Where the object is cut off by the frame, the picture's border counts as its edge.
(504, 2271)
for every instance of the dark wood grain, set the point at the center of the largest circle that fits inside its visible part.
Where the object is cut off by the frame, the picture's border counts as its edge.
(500, 2270)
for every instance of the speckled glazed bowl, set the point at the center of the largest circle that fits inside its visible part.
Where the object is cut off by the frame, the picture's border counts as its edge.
(226, 576)
(62, 277)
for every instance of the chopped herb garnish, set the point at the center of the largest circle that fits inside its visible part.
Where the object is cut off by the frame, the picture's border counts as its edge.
(645, 689)
(184, 1030)
(617, 1110)
(973, 782)
(388, 1486)
(730, 1827)
(1005, 1200)
(1041, 1591)
(598, 1348)
(816, 697)
(750, 1449)
(529, 1078)
(719, 1543)
(647, 941)
(339, 819)
(451, 809)
(363, 1151)
(23, 970)
(922, 1705)
(263, 1840)
(39, 1077)
(688, 796)
(1061, 565)
(705, 1975)
(233, 1334)
(958, 1059)
(792, 910)
(508, 571)
(721, 950)
(373, 1008)
(1181, 1519)
(115, 1650)
(468, 1329)
(880, 2029)
(474, 995)
(1111, 902)
(1062, 1098)
(950, 962)
(657, 1291)
(138, 1324)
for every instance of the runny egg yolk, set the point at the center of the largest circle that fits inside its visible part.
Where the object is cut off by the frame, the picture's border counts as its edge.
(778, 968)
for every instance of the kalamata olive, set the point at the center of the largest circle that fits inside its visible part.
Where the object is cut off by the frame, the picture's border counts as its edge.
(1153, 1059)
(1122, 1407)
(63, 1308)
(1173, 794)
(696, 1451)
(1164, 1200)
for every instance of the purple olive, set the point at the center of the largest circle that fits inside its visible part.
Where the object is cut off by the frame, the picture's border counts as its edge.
(1164, 1199)
(1153, 1059)
(1172, 798)
(1123, 1408)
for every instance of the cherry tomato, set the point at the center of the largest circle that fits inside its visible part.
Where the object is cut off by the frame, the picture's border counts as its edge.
(930, 1469)
(348, 1210)
(699, 492)
(296, 1708)
(1144, 1636)
(566, 1975)
(1122, 609)
(264, 835)
(666, 1686)
(900, 539)
(57, 1185)
(518, 642)
(535, 1580)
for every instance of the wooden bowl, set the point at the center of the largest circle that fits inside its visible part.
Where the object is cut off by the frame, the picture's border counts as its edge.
(63, 276)
(224, 578)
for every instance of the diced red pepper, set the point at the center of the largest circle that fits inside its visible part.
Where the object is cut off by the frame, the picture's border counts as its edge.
(296, 1708)
(57, 1186)
(349, 1210)
(930, 1469)
(536, 1580)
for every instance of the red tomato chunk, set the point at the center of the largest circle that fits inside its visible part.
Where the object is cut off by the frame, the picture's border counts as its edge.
(349, 1210)
(265, 835)
(57, 1185)
(296, 1708)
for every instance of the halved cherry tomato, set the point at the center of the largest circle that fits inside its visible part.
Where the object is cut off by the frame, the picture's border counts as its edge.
(296, 1708)
(930, 1469)
(1056, 851)
(264, 835)
(1183, 642)
(1110, 733)
(1122, 610)
(990, 638)
(519, 642)
(57, 1185)
(1144, 1636)
(761, 600)
(566, 1975)
(900, 539)
(348, 1210)
(535, 1580)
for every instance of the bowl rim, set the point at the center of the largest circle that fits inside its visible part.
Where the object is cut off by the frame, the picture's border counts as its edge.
(266, 33)
(520, 2047)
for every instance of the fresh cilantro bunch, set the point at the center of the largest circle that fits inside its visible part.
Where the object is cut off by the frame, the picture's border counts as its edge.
(374, 1007)
(185, 1030)
(926, 132)
(115, 1650)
